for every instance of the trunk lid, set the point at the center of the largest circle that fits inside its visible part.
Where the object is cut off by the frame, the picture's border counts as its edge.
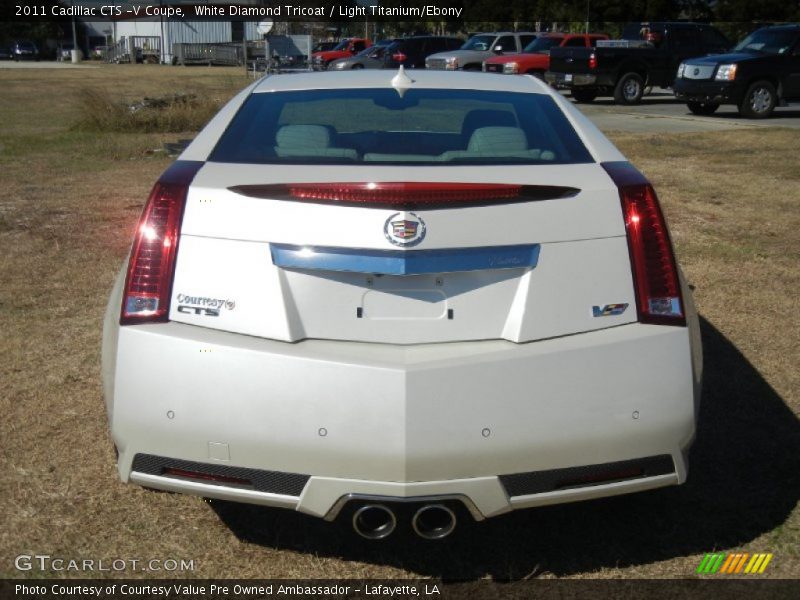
(289, 269)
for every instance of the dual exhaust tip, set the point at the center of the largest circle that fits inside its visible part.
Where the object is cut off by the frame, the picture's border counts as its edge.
(377, 521)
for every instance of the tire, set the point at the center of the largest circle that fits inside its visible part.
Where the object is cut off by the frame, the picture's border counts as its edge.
(472, 67)
(584, 95)
(702, 108)
(357, 66)
(629, 90)
(759, 101)
(538, 74)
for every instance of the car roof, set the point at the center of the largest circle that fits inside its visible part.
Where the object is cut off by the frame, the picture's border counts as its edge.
(427, 37)
(783, 27)
(505, 33)
(368, 78)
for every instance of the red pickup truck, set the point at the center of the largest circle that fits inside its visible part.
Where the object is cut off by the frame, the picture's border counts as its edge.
(535, 57)
(345, 48)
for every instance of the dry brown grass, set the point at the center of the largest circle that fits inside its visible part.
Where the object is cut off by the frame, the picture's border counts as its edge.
(69, 202)
(102, 111)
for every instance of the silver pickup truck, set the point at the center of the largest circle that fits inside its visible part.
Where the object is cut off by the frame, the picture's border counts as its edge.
(478, 48)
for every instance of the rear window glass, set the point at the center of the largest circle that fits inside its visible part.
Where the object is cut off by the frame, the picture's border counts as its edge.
(424, 126)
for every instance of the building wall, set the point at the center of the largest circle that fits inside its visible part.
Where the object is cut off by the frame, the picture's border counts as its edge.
(125, 29)
(197, 32)
(182, 32)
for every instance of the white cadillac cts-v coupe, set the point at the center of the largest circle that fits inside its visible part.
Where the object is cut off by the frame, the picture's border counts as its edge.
(373, 294)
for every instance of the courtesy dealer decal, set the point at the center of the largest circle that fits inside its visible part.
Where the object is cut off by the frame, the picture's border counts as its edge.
(202, 305)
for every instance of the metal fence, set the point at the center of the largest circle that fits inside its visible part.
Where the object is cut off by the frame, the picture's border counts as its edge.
(228, 53)
(133, 49)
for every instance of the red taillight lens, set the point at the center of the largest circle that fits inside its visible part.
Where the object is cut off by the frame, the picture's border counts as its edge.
(592, 61)
(399, 191)
(399, 57)
(655, 273)
(149, 282)
(406, 195)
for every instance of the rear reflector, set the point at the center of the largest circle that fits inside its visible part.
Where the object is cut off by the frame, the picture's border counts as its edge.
(212, 477)
(406, 195)
(540, 482)
(655, 273)
(600, 477)
(148, 284)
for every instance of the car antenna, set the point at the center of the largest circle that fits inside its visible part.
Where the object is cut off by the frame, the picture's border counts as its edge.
(401, 82)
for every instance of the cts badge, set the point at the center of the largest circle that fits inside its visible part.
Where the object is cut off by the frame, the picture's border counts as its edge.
(404, 229)
(609, 310)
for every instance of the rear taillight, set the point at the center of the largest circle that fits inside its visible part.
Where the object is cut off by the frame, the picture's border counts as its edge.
(655, 272)
(149, 282)
(592, 61)
(398, 57)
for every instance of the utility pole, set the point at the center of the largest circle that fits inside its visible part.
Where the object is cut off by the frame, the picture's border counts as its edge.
(74, 32)
(587, 16)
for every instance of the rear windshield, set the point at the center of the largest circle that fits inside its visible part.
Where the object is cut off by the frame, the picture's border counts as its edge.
(424, 126)
(542, 44)
(479, 42)
(767, 42)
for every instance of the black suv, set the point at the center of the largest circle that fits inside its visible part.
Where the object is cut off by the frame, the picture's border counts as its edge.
(762, 71)
(647, 55)
(25, 50)
(411, 52)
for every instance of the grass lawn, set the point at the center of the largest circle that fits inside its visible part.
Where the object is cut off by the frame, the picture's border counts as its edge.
(69, 200)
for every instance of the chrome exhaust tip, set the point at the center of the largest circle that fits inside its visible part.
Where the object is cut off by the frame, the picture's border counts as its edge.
(434, 522)
(374, 521)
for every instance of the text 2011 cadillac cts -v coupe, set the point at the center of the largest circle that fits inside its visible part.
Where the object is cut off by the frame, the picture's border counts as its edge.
(371, 294)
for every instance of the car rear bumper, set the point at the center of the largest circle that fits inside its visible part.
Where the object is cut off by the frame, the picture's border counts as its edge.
(715, 92)
(494, 424)
(578, 80)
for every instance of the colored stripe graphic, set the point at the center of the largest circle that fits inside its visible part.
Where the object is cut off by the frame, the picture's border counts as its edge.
(764, 564)
(703, 563)
(740, 564)
(727, 563)
(754, 563)
(718, 562)
(731, 566)
(737, 562)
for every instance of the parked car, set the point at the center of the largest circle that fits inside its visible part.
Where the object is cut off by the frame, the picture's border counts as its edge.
(411, 52)
(345, 48)
(24, 50)
(323, 46)
(369, 58)
(478, 48)
(390, 54)
(360, 291)
(535, 57)
(760, 73)
(5, 53)
(648, 55)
